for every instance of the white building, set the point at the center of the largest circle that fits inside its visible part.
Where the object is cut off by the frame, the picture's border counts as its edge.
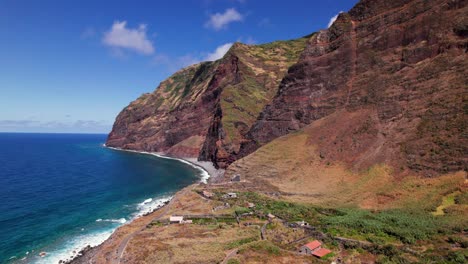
(176, 219)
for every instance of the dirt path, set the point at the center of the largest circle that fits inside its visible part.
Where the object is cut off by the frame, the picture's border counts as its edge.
(231, 254)
(123, 244)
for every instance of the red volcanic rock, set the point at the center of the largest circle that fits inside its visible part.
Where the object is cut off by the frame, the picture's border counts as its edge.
(402, 63)
(405, 63)
(205, 110)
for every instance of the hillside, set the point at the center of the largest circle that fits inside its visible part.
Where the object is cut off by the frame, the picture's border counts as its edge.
(359, 130)
(401, 63)
(205, 110)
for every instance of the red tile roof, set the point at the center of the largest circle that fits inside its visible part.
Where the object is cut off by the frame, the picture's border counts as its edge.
(321, 252)
(313, 245)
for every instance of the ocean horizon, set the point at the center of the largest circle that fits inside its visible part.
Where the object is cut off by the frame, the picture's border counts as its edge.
(61, 192)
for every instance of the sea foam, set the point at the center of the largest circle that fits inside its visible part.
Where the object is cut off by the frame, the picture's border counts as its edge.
(204, 176)
(72, 247)
(149, 205)
(75, 244)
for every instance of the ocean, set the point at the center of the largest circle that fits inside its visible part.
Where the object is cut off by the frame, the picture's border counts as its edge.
(62, 192)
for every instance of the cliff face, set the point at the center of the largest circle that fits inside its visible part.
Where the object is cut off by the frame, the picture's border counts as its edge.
(205, 110)
(403, 63)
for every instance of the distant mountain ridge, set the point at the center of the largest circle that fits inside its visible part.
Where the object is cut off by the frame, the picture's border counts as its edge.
(390, 74)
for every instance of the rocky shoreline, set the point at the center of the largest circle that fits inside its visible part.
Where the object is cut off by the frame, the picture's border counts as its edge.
(86, 254)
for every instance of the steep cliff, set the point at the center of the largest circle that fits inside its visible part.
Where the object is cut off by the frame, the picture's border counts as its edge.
(206, 109)
(402, 63)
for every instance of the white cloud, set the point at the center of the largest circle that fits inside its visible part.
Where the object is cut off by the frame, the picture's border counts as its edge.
(219, 52)
(221, 20)
(121, 37)
(249, 40)
(176, 63)
(333, 19)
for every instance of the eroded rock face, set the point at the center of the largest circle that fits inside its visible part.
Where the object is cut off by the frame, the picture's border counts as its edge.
(404, 60)
(205, 110)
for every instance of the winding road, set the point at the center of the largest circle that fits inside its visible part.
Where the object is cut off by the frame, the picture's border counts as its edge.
(123, 244)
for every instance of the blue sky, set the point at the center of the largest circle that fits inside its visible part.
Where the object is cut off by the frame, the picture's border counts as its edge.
(72, 66)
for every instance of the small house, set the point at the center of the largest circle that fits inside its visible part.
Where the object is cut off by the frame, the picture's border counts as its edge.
(230, 195)
(309, 248)
(321, 252)
(176, 219)
(302, 223)
(314, 248)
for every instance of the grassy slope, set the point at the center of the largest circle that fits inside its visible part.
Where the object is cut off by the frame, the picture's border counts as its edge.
(184, 85)
(374, 204)
(295, 165)
(262, 69)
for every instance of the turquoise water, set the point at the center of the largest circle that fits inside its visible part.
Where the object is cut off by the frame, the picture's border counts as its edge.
(61, 192)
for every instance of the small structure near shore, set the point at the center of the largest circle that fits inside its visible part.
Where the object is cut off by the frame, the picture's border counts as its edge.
(321, 252)
(230, 195)
(302, 223)
(314, 248)
(178, 220)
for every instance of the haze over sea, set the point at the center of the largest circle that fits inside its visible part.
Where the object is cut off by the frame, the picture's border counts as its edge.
(61, 192)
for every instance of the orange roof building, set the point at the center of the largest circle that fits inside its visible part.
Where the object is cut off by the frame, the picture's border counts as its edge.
(321, 252)
(310, 247)
(313, 245)
(315, 248)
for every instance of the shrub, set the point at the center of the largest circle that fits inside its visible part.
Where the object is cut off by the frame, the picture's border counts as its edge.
(233, 261)
(241, 242)
(404, 226)
(264, 245)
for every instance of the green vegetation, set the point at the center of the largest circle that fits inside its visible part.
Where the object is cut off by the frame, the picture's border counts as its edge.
(204, 221)
(379, 227)
(241, 210)
(289, 49)
(263, 246)
(262, 67)
(155, 223)
(233, 261)
(285, 210)
(213, 220)
(447, 201)
(241, 242)
(462, 198)
(385, 226)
